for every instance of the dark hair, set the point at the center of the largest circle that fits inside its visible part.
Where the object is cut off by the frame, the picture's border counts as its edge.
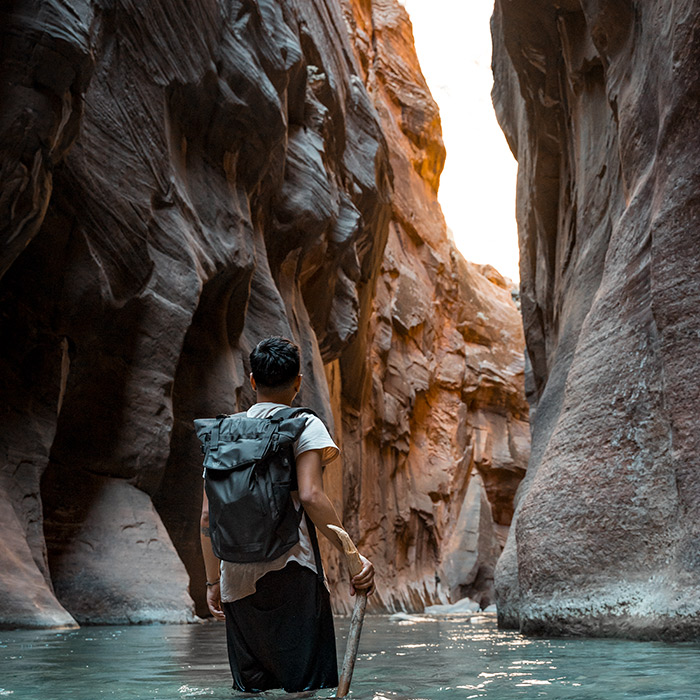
(274, 363)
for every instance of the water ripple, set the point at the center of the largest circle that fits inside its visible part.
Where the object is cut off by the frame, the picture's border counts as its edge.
(410, 658)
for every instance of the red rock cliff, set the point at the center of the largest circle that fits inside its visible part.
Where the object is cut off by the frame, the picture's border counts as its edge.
(434, 421)
(599, 101)
(178, 181)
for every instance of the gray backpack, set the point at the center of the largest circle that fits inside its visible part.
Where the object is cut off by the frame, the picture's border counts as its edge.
(250, 473)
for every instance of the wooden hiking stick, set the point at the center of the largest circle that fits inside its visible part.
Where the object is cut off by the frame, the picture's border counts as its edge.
(352, 557)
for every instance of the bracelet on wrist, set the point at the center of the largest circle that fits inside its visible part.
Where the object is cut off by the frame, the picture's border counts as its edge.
(213, 583)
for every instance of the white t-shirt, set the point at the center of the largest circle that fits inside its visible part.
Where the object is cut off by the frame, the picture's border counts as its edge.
(238, 579)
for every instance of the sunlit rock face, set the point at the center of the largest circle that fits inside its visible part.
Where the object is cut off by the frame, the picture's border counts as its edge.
(599, 101)
(435, 430)
(178, 181)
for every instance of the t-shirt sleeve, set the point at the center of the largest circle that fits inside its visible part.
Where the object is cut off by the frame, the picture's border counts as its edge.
(316, 437)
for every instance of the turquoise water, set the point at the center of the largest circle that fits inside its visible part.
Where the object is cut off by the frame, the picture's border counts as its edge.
(415, 658)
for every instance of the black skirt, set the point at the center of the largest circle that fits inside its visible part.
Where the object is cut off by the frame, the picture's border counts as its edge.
(282, 635)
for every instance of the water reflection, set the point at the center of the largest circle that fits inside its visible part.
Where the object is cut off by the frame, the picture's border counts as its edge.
(411, 658)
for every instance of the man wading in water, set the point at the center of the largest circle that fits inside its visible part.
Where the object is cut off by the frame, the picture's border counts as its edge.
(279, 626)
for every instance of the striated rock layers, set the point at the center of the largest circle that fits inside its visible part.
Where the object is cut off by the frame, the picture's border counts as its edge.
(433, 411)
(599, 102)
(179, 180)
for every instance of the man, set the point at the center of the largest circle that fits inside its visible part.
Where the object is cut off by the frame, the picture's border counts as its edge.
(279, 626)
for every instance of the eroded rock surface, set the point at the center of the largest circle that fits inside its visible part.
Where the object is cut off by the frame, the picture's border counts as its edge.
(599, 101)
(190, 178)
(435, 429)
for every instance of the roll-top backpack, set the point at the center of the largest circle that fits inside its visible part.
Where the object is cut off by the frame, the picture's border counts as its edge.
(250, 473)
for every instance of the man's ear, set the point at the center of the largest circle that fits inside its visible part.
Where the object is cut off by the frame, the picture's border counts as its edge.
(297, 382)
(252, 382)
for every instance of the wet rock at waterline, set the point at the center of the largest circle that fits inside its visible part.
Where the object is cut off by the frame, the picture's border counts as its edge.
(179, 181)
(103, 543)
(599, 101)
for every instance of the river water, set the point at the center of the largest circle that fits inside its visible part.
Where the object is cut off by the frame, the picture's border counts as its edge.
(414, 657)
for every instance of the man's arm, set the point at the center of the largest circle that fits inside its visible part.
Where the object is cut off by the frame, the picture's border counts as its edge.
(211, 564)
(322, 513)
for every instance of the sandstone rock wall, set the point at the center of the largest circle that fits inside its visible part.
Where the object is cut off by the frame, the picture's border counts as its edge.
(436, 430)
(599, 101)
(179, 180)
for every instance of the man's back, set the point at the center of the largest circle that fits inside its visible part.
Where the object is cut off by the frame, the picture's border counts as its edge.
(279, 623)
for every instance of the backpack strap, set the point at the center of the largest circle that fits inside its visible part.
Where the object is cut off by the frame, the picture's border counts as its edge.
(317, 552)
(290, 412)
(278, 416)
(213, 440)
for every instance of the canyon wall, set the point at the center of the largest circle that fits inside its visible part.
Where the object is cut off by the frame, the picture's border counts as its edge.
(433, 411)
(178, 181)
(599, 102)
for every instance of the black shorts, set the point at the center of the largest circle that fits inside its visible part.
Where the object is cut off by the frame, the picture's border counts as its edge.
(282, 635)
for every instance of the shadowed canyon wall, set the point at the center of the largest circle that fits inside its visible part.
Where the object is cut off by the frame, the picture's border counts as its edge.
(178, 181)
(599, 102)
